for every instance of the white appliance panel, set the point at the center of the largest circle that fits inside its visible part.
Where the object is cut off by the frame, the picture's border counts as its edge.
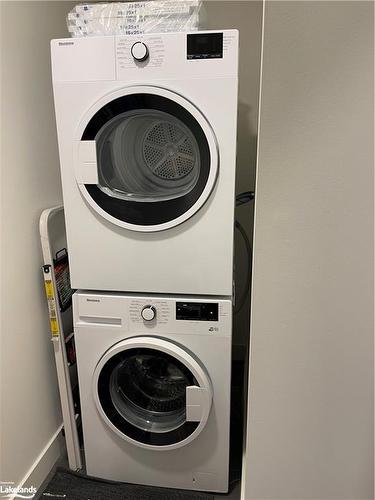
(194, 257)
(105, 320)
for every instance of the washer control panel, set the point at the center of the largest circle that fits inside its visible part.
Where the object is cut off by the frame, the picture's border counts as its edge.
(148, 313)
(157, 315)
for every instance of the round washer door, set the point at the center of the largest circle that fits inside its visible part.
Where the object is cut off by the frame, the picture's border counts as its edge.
(152, 393)
(146, 158)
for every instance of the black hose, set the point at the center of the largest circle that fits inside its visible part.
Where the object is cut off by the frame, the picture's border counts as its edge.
(244, 197)
(242, 300)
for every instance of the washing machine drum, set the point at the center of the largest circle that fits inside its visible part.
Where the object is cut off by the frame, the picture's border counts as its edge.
(151, 395)
(149, 390)
(155, 160)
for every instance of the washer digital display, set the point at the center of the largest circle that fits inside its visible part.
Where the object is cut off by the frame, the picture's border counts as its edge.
(197, 311)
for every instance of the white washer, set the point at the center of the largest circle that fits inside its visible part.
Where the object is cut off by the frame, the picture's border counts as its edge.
(155, 392)
(147, 139)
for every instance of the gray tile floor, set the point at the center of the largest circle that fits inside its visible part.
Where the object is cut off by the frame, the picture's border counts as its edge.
(234, 494)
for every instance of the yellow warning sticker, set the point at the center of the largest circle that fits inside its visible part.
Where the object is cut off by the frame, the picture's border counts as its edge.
(54, 325)
(49, 288)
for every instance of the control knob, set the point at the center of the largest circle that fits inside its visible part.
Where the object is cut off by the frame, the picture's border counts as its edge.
(139, 51)
(148, 313)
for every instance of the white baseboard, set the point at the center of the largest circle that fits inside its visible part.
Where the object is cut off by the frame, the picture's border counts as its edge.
(44, 462)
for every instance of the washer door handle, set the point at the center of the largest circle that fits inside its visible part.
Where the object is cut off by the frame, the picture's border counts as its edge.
(87, 165)
(197, 400)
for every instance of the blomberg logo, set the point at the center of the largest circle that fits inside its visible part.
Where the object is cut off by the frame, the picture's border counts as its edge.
(8, 490)
(93, 300)
(66, 43)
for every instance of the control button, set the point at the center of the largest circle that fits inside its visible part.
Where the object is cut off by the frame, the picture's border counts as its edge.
(148, 313)
(139, 51)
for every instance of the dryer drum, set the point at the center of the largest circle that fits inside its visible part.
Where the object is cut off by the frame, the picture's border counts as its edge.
(168, 151)
(156, 161)
(147, 155)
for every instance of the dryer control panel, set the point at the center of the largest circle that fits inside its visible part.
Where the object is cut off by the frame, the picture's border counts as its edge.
(204, 46)
(146, 57)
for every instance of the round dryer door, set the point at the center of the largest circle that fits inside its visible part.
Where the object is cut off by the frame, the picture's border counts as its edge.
(152, 393)
(146, 159)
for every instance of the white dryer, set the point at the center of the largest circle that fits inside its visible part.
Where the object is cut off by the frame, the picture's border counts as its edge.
(154, 376)
(147, 139)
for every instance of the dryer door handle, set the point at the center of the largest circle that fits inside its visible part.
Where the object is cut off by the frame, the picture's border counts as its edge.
(197, 403)
(86, 163)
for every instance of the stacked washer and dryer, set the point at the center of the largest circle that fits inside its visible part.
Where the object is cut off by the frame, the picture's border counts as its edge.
(147, 141)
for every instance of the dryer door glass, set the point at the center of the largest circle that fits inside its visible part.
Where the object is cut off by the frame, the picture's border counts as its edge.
(143, 393)
(147, 155)
(156, 161)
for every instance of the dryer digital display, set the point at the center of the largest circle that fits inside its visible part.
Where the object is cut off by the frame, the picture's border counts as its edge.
(205, 46)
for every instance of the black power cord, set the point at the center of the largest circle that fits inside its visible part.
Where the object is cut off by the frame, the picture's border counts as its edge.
(242, 199)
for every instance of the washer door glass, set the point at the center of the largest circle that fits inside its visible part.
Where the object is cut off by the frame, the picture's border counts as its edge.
(156, 160)
(147, 155)
(143, 393)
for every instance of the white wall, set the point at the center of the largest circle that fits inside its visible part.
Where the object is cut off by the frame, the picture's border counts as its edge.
(246, 16)
(30, 409)
(310, 430)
